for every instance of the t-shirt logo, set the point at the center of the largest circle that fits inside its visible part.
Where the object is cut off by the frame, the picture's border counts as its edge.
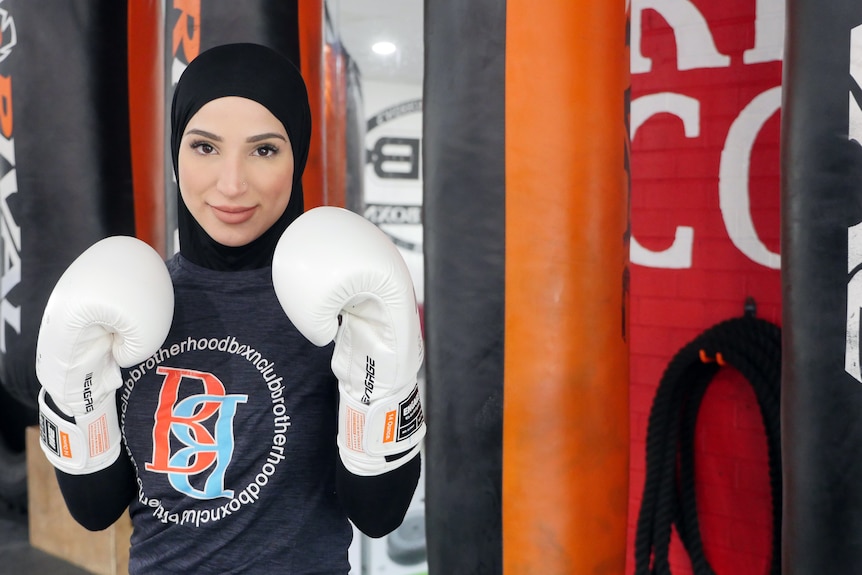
(202, 425)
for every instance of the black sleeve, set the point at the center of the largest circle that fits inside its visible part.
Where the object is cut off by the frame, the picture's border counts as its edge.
(377, 504)
(97, 500)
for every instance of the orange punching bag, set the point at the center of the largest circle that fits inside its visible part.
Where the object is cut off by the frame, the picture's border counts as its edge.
(526, 245)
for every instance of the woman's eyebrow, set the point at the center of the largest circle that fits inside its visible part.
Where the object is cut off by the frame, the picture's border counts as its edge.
(250, 139)
(266, 136)
(204, 133)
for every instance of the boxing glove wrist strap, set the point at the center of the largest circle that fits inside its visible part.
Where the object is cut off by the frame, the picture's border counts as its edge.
(368, 433)
(89, 444)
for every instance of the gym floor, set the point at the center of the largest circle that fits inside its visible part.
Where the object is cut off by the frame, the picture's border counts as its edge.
(17, 557)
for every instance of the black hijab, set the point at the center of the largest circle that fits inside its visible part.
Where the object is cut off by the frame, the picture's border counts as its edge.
(258, 73)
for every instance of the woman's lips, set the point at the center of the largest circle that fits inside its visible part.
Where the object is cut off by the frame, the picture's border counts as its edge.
(232, 214)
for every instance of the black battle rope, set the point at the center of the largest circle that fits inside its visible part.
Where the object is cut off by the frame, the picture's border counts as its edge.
(753, 347)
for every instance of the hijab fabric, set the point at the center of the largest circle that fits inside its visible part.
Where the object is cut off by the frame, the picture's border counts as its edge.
(258, 73)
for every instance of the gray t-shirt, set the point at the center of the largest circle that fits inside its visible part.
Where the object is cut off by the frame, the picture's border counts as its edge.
(231, 427)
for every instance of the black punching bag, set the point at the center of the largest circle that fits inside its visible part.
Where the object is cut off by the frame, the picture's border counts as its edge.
(821, 235)
(464, 241)
(65, 172)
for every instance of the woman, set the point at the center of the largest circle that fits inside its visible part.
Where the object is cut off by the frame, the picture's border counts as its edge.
(230, 462)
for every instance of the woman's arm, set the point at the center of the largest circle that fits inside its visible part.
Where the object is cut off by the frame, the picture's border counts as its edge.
(96, 500)
(377, 504)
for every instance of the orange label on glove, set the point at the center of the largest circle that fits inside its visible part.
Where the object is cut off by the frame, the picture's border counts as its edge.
(389, 428)
(65, 446)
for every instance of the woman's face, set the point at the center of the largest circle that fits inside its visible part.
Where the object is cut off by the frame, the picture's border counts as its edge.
(236, 169)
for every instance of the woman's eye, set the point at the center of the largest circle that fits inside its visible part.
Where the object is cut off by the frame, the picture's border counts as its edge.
(266, 150)
(203, 148)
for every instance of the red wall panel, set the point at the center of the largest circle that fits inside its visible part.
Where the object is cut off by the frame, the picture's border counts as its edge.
(727, 93)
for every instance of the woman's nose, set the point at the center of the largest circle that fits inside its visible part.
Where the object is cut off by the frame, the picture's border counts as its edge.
(232, 180)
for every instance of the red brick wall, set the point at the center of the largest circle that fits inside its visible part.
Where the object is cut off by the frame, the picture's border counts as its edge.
(729, 94)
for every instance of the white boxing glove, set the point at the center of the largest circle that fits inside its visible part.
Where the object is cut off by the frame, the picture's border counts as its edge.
(111, 308)
(339, 277)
